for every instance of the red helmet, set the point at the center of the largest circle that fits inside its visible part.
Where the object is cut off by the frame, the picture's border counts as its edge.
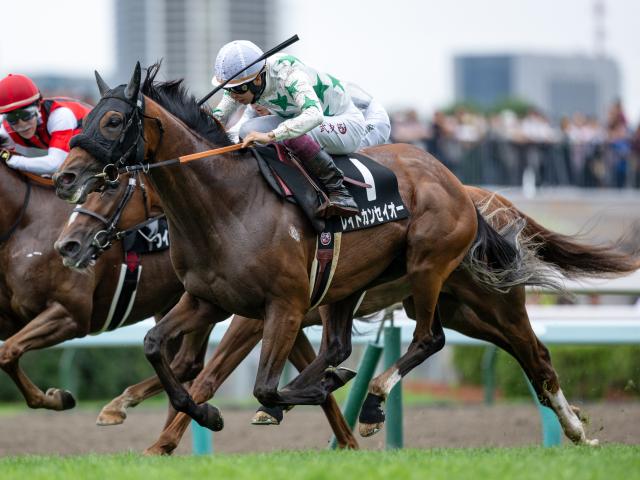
(17, 91)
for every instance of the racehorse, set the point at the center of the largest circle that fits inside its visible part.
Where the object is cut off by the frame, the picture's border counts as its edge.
(91, 231)
(42, 303)
(464, 306)
(210, 213)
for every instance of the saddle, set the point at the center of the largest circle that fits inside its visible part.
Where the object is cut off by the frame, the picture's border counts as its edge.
(373, 186)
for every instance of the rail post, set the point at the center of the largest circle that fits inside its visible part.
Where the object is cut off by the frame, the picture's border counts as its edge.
(551, 429)
(392, 345)
(202, 439)
(489, 373)
(360, 385)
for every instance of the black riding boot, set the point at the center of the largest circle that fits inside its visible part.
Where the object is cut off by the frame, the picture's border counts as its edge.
(341, 202)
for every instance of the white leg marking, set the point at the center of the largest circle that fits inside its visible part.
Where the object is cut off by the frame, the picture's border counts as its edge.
(390, 382)
(570, 422)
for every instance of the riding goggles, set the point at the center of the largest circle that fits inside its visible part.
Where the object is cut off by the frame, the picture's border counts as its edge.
(24, 114)
(239, 89)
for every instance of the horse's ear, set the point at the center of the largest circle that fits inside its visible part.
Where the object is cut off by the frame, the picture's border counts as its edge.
(131, 92)
(102, 85)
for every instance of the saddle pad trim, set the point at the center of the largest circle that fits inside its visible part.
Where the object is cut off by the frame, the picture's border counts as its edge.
(337, 240)
(118, 294)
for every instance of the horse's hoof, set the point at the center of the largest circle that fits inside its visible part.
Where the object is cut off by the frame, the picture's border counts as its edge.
(369, 429)
(64, 398)
(211, 419)
(594, 442)
(342, 375)
(111, 417)
(156, 450)
(262, 417)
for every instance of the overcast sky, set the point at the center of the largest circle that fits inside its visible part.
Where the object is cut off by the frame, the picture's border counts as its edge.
(401, 51)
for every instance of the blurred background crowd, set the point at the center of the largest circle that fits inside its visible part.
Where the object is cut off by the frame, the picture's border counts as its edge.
(514, 141)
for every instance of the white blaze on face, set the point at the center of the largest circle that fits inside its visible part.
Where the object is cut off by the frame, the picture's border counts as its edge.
(72, 218)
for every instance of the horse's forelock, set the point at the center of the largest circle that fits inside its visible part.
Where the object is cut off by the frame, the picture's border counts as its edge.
(175, 97)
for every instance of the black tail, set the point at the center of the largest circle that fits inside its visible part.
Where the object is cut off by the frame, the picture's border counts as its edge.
(498, 260)
(576, 259)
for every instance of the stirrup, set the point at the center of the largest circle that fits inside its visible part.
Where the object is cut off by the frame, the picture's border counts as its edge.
(330, 209)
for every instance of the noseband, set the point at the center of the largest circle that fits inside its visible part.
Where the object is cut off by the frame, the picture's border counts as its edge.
(103, 239)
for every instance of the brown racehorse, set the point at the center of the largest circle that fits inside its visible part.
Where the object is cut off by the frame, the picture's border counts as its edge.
(235, 252)
(43, 303)
(76, 243)
(464, 305)
(255, 267)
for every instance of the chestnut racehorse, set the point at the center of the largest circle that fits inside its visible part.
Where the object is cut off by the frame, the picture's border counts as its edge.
(464, 306)
(234, 253)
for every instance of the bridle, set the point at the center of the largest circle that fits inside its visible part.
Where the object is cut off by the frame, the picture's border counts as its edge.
(103, 239)
(127, 150)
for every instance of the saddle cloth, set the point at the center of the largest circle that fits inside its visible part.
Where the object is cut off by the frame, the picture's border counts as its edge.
(379, 202)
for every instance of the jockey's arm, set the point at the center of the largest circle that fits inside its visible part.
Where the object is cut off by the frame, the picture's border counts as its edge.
(225, 108)
(307, 100)
(61, 126)
(44, 165)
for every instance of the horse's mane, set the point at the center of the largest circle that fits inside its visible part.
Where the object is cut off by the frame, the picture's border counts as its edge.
(175, 97)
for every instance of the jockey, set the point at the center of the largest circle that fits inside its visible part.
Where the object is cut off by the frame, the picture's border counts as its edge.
(35, 132)
(376, 118)
(310, 112)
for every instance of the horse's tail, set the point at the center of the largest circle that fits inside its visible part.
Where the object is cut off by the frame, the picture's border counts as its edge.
(577, 259)
(520, 251)
(501, 259)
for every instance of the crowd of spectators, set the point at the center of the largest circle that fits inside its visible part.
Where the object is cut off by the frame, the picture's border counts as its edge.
(506, 148)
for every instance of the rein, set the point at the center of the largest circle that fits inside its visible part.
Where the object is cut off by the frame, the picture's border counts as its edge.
(103, 239)
(177, 161)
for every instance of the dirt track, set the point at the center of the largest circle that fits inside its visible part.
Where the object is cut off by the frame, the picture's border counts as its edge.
(38, 432)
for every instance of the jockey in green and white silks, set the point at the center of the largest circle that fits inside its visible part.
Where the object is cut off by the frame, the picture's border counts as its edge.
(376, 118)
(309, 111)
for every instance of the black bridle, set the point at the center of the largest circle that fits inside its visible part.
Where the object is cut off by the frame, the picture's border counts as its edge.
(103, 239)
(125, 152)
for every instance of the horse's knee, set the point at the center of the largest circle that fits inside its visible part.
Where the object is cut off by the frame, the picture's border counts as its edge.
(152, 346)
(8, 355)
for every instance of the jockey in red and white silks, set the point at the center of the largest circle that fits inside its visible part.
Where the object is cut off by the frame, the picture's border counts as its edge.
(35, 132)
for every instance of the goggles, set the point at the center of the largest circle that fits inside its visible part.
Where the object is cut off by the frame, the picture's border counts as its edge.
(248, 86)
(24, 114)
(239, 89)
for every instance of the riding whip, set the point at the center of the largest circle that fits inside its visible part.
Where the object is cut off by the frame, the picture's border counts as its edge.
(265, 55)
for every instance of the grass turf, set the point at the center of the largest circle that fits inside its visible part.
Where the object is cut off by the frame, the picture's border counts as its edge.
(608, 462)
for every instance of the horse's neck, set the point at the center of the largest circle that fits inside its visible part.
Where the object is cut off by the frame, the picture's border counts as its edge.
(12, 195)
(190, 193)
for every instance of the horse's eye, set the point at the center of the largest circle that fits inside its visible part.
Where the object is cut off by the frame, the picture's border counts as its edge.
(114, 122)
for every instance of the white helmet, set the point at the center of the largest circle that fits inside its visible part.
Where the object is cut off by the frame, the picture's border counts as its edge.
(236, 56)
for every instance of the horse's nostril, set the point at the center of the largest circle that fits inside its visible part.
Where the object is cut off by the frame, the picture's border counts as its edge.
(69, 248)
(64, 179)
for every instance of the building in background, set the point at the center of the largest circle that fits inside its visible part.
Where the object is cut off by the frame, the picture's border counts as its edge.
(187, 34)
(558, 85)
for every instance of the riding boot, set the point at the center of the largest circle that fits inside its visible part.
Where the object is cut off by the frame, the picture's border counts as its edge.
(320, 164)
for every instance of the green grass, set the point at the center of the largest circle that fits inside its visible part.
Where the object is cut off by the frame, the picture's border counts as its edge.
(575, 463)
